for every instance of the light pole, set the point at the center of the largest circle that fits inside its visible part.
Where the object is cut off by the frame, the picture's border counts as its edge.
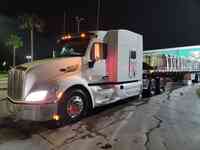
(32, 46)
(14, 53)
(64, 20)
(29, 58)
(98, 13)
(78, 21)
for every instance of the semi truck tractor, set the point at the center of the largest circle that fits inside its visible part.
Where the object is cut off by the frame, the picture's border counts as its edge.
(170, 64)
(88, 70)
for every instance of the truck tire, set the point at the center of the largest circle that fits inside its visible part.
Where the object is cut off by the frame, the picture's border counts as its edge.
(147, 92)
(157, 85)
(150, 91)
(73, 106)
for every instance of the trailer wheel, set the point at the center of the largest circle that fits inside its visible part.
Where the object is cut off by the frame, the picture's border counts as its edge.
(147, 92)
(73, 106)
(152, 88)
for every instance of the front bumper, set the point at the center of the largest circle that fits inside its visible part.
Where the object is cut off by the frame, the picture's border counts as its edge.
(33, 112)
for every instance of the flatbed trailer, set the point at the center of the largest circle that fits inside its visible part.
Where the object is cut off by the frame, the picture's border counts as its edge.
(171, 64)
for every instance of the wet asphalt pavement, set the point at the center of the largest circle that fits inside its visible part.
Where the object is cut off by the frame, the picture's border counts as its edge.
(169, 121)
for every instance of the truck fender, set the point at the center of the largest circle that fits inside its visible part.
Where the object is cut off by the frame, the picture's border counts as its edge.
(74, 82)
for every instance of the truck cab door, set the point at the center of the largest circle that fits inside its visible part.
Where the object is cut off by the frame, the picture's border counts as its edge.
(97, 65)
(98, 77)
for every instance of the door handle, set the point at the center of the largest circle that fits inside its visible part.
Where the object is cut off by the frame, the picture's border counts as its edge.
(105, 77)
(62, 69)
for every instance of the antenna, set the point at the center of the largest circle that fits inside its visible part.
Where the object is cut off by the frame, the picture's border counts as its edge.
(64, 19)
(68, 20)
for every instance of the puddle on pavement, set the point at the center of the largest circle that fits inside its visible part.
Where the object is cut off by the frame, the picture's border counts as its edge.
(181, 93)
(11, 130)
(89, 127)
(102, 118)
(106, 146)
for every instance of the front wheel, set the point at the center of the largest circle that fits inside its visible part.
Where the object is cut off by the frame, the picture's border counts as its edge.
(73, 106)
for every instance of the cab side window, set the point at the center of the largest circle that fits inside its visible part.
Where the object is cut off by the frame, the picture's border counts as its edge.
(98, 51)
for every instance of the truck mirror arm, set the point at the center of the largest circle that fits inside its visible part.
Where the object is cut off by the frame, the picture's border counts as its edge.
(91, 63)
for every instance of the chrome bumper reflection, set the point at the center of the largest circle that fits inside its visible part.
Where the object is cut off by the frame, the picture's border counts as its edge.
(34, 112)
(16, 83)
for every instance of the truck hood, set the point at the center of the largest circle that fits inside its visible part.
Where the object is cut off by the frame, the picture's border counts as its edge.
(37, 63)
(49, 71)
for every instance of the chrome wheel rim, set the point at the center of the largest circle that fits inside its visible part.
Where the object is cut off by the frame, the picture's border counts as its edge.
(75, 106)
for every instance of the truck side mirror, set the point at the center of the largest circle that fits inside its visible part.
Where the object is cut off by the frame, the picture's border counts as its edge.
(99, 51)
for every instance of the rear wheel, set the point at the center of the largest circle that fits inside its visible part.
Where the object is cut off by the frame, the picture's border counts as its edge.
(73, 106)
(150, 91)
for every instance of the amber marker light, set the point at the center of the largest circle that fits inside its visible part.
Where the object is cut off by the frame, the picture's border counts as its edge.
(69, 37)
(66, 37)
(83, 35)
(56, 117)
(59, 95)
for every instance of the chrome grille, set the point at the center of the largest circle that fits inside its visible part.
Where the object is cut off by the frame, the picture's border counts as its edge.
(16, 84)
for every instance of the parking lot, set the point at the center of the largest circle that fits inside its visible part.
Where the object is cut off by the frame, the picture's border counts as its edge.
(166, 121)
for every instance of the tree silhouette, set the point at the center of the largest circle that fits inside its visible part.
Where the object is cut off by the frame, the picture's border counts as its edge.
(15, 42)
(30, 23)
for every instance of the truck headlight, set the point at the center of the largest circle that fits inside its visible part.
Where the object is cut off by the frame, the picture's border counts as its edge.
(36, 96)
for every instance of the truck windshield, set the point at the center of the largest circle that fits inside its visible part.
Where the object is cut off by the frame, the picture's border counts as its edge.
(72, 47)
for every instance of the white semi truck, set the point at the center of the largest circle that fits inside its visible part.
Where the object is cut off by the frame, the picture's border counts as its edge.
(89, 70)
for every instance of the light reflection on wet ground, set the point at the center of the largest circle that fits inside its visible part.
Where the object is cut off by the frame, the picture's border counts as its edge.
(89, 127)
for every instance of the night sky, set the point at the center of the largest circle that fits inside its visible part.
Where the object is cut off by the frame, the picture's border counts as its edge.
(163, 23)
